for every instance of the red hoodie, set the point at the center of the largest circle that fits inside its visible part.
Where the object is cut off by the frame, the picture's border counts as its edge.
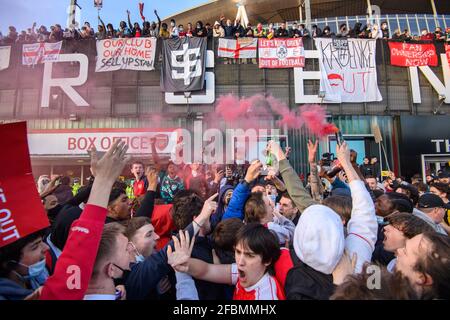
(73, 270)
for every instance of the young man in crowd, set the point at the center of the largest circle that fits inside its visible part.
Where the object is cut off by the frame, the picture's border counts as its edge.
(288, 208)
(430, 208)
(256, 251)
(140, 183)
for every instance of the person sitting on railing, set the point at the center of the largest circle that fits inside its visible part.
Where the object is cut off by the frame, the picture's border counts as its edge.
(327, 32)
(426, 35)
(110, 32)
(248, 32)
(209, 31)
(164, 33)
(218, 31)
(343, 31)
(282, 31)
(239, 31)
(200, 30)
(438, 34)
(304, 32)
(316, 31)
(124, 31)
(136, 30)
(89, 29)
(42, 34)
(173, 30)
(385, 30)
(356, 31)
(406, 35)
(294, 31)
(56, 34)
(190, 30)
(376, 33)
(12, 36)
(181, 31)
(228, 27)
(101, 33)
(260, 32)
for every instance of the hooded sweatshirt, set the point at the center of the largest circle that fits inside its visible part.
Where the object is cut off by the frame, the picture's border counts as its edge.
(10, 290)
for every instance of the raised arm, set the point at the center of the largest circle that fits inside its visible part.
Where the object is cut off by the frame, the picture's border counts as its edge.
(130, 25)
(362, 227)
(293, 183)
(316, 185)
(79, 254)
(146, 207)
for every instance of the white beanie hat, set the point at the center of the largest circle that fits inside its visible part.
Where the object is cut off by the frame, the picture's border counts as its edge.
(319, 238)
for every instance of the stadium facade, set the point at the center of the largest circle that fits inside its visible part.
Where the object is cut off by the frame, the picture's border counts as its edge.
(81, 105)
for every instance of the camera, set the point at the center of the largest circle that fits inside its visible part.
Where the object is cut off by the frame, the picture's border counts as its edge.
(327, 159)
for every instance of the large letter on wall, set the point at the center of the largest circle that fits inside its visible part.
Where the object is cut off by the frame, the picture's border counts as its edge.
(300, 75)
(66, 84)
(441, 89)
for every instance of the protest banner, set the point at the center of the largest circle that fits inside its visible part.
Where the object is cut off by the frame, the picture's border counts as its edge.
(281, 53)
(405, 54)
(5, 53)
(348, 70)
(447, 52)
(18, 218)
(240, 48)
(40, 53)
(130, 53)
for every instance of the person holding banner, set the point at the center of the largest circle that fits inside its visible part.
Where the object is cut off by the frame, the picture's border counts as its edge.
(22, 263)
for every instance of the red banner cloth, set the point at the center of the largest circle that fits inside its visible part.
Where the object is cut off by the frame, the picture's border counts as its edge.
(413, 54)
(447, 52)
(21, 210)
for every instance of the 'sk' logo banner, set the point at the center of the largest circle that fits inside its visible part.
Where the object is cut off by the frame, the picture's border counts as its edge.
(405, 54)
(184, 64)
(21, 210)
(348, 70)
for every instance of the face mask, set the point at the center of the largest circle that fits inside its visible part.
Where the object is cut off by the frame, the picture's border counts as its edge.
(424, 33)
(37, 274)
(273, 198)
(139, 257)
(34, 270)
(172, 24)
(181, 29)
(121, 269)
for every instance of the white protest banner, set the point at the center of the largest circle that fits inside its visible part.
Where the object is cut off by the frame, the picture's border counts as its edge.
(348, 70)
(281, 53)
(5, 53)
(40, 53)
(130, 53)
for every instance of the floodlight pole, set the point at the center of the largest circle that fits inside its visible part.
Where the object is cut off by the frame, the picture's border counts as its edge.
(308, 14)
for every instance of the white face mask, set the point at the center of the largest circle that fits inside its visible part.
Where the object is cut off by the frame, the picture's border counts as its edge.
(424, 33)
(172, 24)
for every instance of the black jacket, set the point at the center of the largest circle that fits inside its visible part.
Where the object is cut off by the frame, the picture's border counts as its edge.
(305, 283)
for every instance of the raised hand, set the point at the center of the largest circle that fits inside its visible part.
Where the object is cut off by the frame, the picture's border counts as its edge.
(343, 153)
(218, 176)
(152, 178)
(275, 149)
(253, 171)
(179, 258)
(312, 151)
(110, 166)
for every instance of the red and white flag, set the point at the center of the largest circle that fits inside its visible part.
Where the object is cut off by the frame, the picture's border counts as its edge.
(238, 49)
(281, 53)
(40, 52)
(447, 52)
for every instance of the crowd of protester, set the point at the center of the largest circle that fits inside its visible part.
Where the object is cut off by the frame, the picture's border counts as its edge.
(223, 28)
(251, 232)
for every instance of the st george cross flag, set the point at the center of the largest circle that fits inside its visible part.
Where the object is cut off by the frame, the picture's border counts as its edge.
(240, 48)
(5, 53)
(184, 64)
(21, 210)
(40, 52)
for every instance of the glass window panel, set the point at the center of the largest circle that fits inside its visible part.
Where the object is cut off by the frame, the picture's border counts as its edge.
(431, 24)
(393, 24)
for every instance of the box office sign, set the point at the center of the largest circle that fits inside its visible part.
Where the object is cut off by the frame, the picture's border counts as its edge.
(78, 142)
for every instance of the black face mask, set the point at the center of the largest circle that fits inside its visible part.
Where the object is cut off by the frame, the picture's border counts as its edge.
(123, 271)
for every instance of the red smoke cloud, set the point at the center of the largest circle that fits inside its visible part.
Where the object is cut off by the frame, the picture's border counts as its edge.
(233, 110)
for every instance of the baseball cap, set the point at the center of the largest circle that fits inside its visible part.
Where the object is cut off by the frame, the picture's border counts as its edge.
(430, 200)
(444, 174)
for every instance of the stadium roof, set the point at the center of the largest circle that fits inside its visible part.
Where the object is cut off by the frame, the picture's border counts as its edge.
(288, 10)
